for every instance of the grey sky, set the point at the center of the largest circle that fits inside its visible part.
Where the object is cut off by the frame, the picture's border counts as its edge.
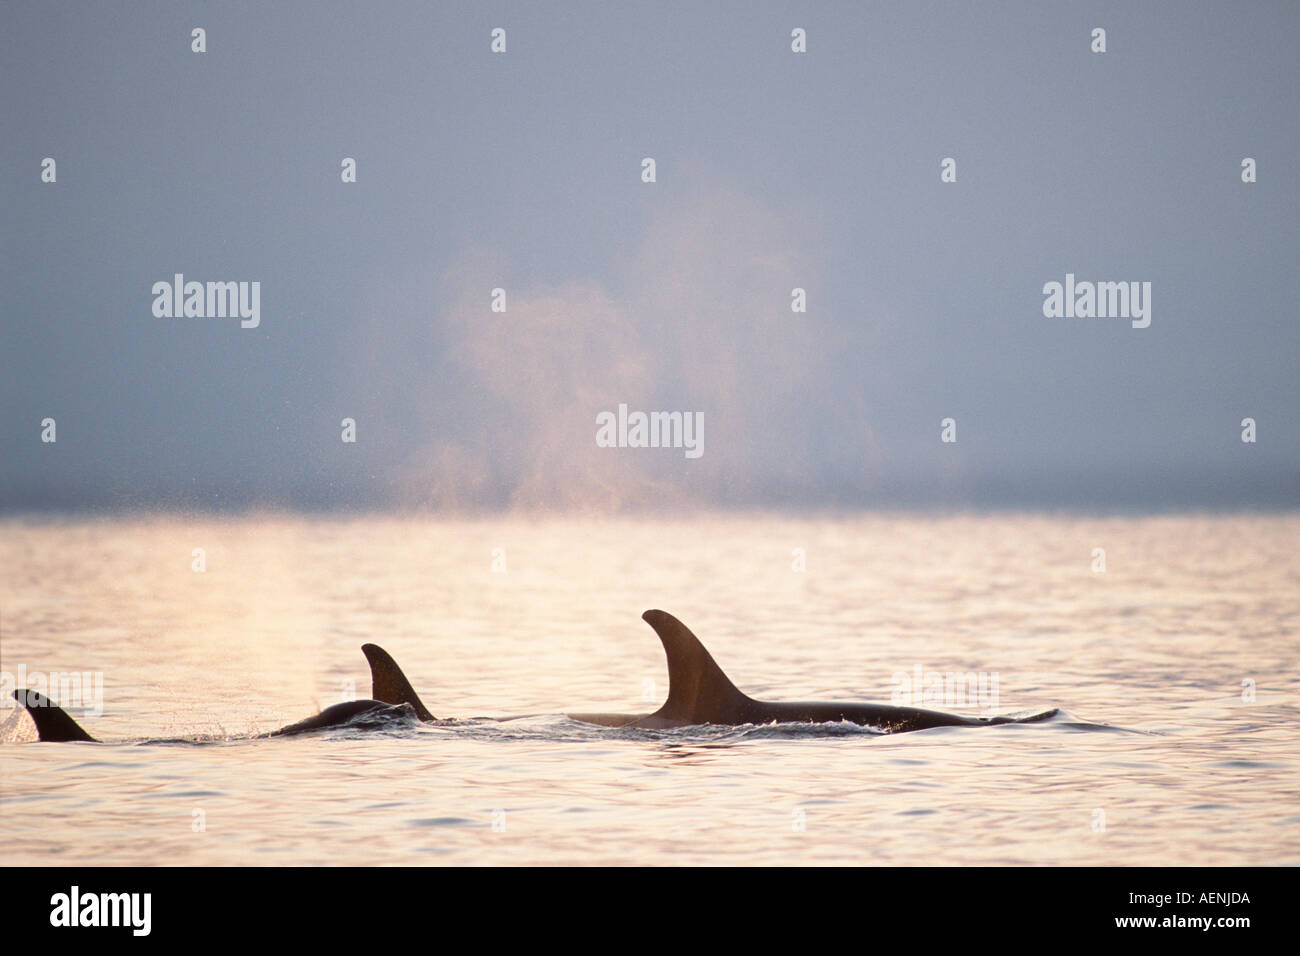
(774, 170)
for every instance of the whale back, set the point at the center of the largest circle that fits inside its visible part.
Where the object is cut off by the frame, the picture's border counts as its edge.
(698, 691)
(389, 685)
(342, 715)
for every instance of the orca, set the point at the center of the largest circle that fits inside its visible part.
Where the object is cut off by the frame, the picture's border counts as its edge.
(388, 685)
(700, 693)
(53, 723)
(392, 697)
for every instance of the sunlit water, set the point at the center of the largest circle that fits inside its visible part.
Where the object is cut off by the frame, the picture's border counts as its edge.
(1189, 770)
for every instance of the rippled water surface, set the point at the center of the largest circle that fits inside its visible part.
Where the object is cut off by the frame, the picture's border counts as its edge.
(1189, 770)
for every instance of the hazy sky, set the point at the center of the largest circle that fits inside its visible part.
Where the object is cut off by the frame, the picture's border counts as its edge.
(522, 170)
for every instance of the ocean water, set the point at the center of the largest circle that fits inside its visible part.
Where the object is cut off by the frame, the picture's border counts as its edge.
(1175, 668)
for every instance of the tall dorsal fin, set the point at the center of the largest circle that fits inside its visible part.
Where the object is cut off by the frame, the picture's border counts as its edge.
(698, 691)
(52, 722)
(389, 685)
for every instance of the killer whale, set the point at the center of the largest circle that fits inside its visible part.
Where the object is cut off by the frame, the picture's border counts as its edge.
(392, 696)
(700, 693)
(53, 723)
(388, 685)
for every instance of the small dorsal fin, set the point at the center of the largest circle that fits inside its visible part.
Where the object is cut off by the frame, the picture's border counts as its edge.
(52, 722)
(389, 685)
(698, 691)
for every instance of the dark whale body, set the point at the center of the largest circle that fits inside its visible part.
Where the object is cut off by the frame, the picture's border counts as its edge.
(54, 724)
(392, 697)
(700, 693)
